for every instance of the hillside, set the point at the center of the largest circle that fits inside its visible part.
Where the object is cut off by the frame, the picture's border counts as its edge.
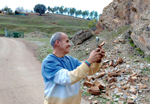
(117, 47)
(47, 23)
(125, 82)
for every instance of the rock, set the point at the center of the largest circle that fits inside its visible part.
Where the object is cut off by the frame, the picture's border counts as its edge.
(111, 63)
(111, 80)
(101, 85)
(108, 102)
(36, 32)
(136, 60)
(87, 49)
(88, 84)
(130, 101)
(113, 74)
(143, 86)
(119, 60)
(127, 34)
(134, 78)
(116, 41)
(132, 90)
(94, 90)
(101, 74)
(148, 65)
(94, 102)
(91, 97)
(122, 41)
(81, 36)
(116, 99)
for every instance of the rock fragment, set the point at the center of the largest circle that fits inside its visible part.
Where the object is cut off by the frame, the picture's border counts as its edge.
(94, 90)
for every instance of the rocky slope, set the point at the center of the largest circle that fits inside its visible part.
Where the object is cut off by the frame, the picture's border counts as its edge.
(128, 12)
(121, 79)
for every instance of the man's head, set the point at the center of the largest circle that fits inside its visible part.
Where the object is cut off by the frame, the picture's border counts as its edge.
(55, 36)
(60, 43)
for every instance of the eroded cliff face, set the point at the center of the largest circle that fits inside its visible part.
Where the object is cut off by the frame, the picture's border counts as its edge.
(128, 12)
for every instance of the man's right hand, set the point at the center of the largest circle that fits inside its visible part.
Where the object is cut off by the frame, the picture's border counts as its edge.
(96, 55)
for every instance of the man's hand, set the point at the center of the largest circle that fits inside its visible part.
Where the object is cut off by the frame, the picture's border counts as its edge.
(96, 55)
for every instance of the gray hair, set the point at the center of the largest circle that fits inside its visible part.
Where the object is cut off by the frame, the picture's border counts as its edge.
(55, 36)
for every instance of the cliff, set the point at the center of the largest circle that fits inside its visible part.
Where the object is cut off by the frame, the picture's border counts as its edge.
(136, 13)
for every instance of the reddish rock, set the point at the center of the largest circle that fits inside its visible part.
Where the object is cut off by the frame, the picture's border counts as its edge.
(119, 60)
(112, 80)
(101, 74)
(99, 84)
(88, 84)
(130, 101)
(94, 90)
(111, 63)
(113, 74)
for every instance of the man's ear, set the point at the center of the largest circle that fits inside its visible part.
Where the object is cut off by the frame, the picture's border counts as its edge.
(57, 42)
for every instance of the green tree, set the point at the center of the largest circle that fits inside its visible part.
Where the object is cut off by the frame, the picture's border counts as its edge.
(10, 11)
(61, 10)
(83, 14)
(72, 11)
(96, 14)
(86, 13)
(80, 12)
(6, 8)
(55, 9)
(20, 9)
(91, 14)
(52, 10)
(68, 11)
(40, 8)
(65, 10)
(77, 13)
(49, 9)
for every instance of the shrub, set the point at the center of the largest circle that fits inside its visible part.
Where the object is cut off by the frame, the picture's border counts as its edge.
(92, 24)
(16, 12)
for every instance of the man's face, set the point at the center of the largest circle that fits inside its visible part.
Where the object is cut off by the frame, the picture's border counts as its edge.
(64, 44)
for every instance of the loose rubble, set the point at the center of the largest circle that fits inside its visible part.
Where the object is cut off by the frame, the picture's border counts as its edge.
(119, 81)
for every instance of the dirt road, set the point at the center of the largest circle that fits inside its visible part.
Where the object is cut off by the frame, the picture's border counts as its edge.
(20, 74)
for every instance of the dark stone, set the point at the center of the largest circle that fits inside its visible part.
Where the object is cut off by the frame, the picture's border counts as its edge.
(81, 36)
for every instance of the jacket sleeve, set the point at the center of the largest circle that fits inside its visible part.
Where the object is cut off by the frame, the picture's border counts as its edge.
(94, 68)
(65, 77)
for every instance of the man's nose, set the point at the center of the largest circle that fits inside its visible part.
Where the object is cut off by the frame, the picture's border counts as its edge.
(69, 44)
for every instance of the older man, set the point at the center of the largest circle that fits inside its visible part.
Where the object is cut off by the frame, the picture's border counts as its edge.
(62, 73)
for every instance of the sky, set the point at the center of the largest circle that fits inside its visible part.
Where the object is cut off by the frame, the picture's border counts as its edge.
(92, 5)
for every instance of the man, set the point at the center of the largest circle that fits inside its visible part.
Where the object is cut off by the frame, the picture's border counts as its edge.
(62, 73)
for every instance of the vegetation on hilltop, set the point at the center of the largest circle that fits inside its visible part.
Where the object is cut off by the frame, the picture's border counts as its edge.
(48, 23)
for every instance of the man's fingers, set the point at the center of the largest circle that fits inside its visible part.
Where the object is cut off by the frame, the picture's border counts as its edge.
(102, 54)
(102, 51)
(97, 49)
(99, 46)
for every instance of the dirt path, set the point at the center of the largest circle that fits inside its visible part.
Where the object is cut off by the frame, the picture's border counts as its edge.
(20, 73)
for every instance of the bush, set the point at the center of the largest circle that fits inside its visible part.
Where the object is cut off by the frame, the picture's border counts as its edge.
(92, 24)
(16, 12)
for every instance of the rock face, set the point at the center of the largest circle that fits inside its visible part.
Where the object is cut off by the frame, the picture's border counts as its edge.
(81, 36)
(128, 12)
(141, 32)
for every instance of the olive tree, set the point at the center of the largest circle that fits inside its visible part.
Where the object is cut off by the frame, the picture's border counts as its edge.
(40, 8)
